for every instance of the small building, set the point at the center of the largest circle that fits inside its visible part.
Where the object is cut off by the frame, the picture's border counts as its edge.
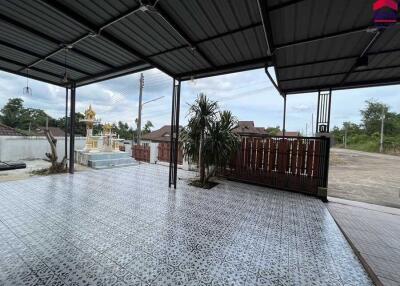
(289, 134)
(248, 128)
(162, 135)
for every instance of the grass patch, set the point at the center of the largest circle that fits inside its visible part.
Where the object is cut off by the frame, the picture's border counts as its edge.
(46, 171)
(198, 184)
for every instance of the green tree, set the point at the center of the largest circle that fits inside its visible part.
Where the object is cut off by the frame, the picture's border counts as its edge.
(371, 116)
(208, 139)
(273, 131)
(11, 112)
(147, 127)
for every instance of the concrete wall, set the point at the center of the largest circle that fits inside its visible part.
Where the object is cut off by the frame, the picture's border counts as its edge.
(13, 148)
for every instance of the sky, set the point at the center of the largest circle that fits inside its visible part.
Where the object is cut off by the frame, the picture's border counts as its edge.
(249, 95)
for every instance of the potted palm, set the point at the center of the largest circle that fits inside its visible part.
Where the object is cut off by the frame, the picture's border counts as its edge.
(208, 139)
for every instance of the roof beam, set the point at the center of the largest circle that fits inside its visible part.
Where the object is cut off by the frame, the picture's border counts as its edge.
(266, 23)
(237, 67)
(48, 38)
(340, 73)
(31, 77)
(192, 45)
(338, 59)
(100, 31)
(33, 68)
(124, 70)
(32, 54)
(323, 37)
(241, 29)
(371, 43)
(284, 5)
(347, 85)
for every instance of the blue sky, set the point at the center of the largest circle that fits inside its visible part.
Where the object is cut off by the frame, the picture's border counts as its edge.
(249, 95)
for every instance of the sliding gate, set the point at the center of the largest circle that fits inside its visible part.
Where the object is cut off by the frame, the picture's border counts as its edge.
(291, 163)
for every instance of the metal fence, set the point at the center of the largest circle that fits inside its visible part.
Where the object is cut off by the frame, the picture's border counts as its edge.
(141, 153)
(291, 163)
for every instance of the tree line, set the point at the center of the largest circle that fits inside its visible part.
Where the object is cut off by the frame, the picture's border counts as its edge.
(26, 120)
(366, 135)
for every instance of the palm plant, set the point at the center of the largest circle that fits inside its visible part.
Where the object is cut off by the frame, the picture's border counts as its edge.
(208, 138)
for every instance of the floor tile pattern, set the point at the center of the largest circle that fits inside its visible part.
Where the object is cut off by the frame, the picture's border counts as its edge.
(124, 227)
(374, 231)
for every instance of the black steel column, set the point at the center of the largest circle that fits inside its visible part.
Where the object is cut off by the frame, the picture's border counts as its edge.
(66, 124)
(284, 116)
(172, 145)
(177, 111)
(72, 130)
(174, 142)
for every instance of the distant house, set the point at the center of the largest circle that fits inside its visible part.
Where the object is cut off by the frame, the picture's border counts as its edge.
(247, 127)
(55, 131)
(9, 131)
(161, 135)
(290, 134)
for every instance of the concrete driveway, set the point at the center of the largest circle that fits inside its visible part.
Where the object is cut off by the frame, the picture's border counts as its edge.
(366, 177)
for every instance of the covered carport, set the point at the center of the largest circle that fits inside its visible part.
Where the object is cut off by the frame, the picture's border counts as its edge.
(314, 46)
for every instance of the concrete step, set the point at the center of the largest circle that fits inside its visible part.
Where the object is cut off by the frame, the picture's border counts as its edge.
(109, 163)
(105, 156)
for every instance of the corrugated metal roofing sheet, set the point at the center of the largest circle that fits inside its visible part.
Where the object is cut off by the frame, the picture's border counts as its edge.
(212, 35)
(315, 43)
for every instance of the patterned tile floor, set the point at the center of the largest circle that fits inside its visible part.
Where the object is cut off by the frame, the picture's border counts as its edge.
(124, 227)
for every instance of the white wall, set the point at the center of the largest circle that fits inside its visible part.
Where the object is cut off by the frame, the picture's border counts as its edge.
(13, 148)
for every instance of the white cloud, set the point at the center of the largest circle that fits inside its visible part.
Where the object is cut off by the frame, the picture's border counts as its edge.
(249, 95)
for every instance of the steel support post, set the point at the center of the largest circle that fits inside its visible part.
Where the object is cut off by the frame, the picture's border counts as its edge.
(284, 116)
(72, 130)
(174, 142)
(66, 124)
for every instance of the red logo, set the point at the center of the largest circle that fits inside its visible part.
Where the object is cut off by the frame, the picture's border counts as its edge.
(385, 12)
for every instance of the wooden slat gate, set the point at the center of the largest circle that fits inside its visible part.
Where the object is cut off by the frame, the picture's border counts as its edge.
(141, 153)
(291, 163)
(164, 153)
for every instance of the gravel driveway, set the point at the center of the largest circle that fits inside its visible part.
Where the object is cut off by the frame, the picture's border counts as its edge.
(367, 177)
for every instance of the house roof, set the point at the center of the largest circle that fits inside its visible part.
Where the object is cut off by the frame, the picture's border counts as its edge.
(55, 131)
(8, 131)
(289, 133)
(248, 128)
(161, 135)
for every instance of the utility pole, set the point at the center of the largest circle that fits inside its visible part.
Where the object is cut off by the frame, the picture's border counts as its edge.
(312, 125)
(306, 129)
(139, 123)
(382, 129)
(345, 136)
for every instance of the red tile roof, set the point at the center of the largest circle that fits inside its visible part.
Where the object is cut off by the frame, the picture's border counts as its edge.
(161, 135)
(247, 127)
(55, 131)
(8, 131)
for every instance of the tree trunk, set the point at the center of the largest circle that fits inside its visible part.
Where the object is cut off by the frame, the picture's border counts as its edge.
(55, 166)
(201, 159)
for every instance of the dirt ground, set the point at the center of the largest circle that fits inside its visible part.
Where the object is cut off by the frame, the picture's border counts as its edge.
(365, 177)
(31, 165)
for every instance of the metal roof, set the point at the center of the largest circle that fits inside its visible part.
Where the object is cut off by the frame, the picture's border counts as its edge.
(113, 38)
(317, 43)
(312, 44)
